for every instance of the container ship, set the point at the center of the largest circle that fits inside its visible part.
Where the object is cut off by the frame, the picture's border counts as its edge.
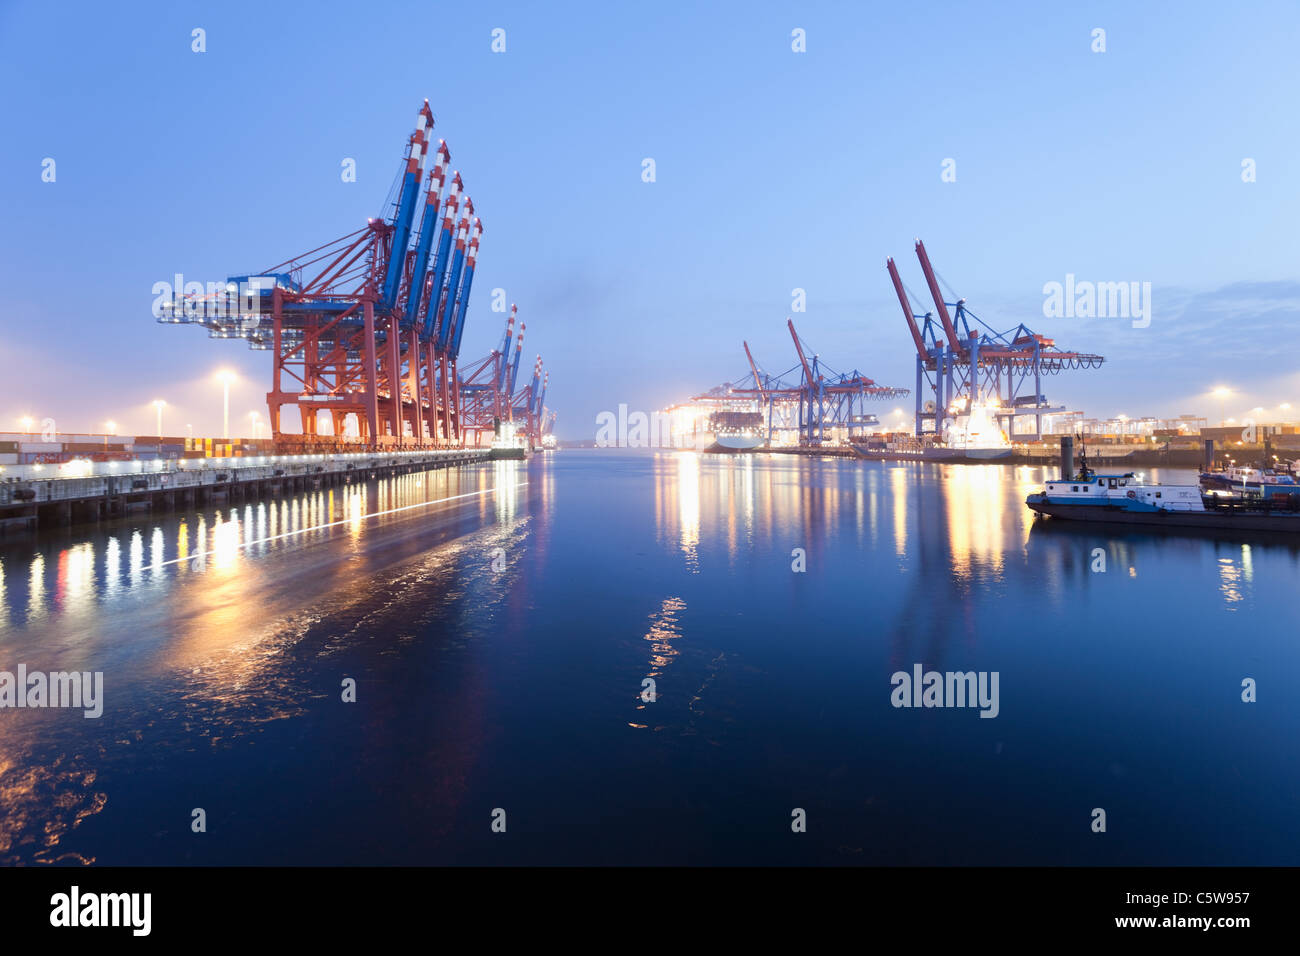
(731, 431)
(973, 437)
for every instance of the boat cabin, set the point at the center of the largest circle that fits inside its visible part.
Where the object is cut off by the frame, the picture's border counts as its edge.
(1126, 490)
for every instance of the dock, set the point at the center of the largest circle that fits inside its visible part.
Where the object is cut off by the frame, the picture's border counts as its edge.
(163, 486)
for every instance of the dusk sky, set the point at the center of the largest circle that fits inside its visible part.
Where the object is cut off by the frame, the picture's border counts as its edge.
(775, 170)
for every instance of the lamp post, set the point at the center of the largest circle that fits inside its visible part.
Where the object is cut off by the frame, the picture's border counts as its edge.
(110, 429)
(158, 407)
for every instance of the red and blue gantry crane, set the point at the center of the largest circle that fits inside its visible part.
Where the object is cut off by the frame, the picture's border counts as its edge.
(366, 329)
(809, 404)
(963, 362)
(491, 408)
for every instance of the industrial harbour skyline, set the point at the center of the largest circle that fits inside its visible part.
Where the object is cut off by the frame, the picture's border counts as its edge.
(495, 445)
(1217, 303)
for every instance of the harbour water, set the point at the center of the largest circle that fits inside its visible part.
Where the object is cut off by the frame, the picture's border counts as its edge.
(500, 623)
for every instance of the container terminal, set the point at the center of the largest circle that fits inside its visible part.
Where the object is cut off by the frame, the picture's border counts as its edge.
(365, 338)
(978, 396)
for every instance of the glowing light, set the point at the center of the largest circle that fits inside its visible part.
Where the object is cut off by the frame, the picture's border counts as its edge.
(159, 405)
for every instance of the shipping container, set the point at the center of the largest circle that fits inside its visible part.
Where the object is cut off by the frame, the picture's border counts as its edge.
(92, 447)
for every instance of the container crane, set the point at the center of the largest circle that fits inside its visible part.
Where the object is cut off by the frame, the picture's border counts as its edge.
(976, 365)
(364, 327)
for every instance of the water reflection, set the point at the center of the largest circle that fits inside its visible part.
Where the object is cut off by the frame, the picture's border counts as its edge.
(1232, 578)
(688, 490)
(93, 569)
(226, 633)
(207, 624)
(665, 628)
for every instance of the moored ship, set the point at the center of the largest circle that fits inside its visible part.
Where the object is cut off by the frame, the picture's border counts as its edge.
(969, 438)
(735, 431)
(1265, 481)
(1128, 499)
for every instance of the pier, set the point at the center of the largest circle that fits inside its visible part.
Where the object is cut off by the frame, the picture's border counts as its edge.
(29, 504)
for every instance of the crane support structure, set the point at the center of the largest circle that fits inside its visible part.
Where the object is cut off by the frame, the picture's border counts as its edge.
(810, 404)
(973, 364)
(491, 410)
(366, 330)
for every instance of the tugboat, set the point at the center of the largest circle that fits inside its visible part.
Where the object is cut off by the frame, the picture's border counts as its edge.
(1127, 499)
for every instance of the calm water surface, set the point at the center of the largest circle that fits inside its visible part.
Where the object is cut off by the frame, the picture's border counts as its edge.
(499, 622)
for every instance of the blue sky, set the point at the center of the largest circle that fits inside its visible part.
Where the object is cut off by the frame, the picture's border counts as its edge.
(775, 170)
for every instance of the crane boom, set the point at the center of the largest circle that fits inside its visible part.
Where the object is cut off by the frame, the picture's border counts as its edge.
(428, 226)
(440, 264)
(514, 368)
(462, 298)
(505, 349)
(807, 371)
(907, 308)
(949, 329)
(753, 367)
(406, 206)
(448, 301)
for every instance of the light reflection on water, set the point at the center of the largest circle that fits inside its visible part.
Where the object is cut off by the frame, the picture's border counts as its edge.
(196, 622)
(225, 635)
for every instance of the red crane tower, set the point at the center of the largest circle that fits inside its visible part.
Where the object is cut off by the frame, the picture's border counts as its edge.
(365, 328)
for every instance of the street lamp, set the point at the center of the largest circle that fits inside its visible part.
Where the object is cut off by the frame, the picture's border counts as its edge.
(226, 379)
(253, 416)
(110, 429)
(158, 406)
(27, 424)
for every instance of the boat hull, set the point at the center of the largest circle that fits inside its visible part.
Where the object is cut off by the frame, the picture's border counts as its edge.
(1284, 522)
(971, 456)
(739, 442)
(975, 454)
